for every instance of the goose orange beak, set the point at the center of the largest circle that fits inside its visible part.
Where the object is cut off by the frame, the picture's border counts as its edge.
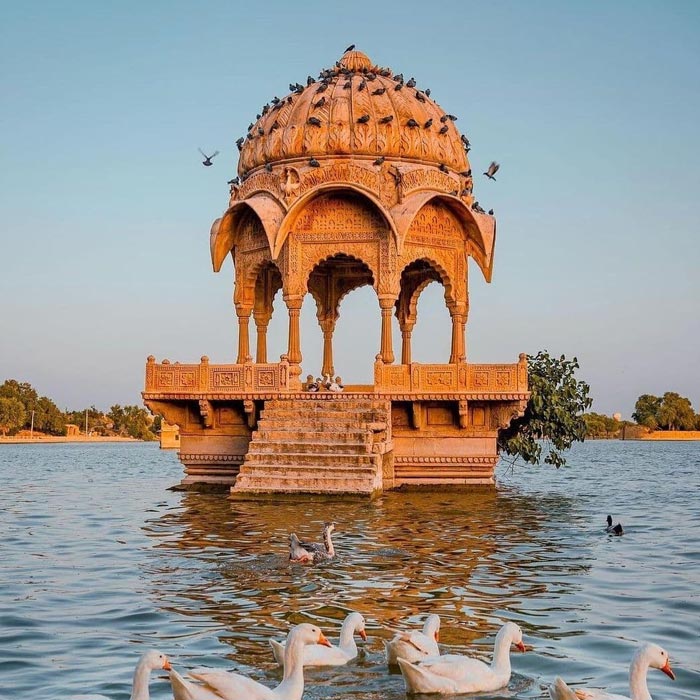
(668, 671)
(322, 640)
(363, 634)
(166, 665)
(521, 646)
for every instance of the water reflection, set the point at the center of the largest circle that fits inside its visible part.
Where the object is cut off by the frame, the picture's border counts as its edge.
(475, 558)
(98, 561)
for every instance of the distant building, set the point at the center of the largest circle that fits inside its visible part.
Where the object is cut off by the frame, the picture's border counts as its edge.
(72, 430)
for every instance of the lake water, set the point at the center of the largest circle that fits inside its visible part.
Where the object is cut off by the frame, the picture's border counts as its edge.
(99, 562)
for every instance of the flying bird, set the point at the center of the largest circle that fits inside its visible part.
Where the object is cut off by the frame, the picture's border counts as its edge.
(492, 170)
(207, 159)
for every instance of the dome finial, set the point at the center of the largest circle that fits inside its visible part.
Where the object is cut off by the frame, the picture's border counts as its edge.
(355, 60)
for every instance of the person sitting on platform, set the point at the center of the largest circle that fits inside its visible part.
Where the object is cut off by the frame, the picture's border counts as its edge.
(312, 385)
(336, 385)
(327, 381)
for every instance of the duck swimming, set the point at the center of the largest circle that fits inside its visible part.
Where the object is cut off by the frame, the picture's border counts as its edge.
(614, 529)
(310, 552)
(321, 655)
(453, 674)
(414, 645)
(647, 656)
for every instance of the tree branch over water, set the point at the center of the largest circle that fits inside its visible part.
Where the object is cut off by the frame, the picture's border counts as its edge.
(553, 417)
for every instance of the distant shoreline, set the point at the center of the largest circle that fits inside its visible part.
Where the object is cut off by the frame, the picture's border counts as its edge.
(14, 440)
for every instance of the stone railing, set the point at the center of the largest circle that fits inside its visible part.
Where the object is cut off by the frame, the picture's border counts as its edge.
(249, 378)
(451, 378)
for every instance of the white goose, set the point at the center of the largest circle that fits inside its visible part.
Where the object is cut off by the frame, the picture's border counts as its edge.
(453, 674)
(320, 655)
(222, 685)
(646, 657)
(414, 646)
(150, 661)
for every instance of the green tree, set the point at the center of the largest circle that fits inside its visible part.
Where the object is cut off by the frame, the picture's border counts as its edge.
(25, 393)
(48, 417)
(12, 414)
(646, 411)
(553, 413)
(132, 421)
(676, 412)
(601, 426)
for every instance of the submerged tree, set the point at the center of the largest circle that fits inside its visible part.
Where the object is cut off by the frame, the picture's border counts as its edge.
(554, 414)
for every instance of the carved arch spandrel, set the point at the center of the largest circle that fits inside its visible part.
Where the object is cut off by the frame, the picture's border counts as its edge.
(250, 255)
(224, 237)
(478, 231)
(444, 263)
(352, 191)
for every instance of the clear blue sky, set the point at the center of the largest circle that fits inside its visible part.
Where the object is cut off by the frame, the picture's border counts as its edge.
(592, 109)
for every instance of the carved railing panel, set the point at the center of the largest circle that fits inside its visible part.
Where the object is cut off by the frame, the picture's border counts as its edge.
(451, 378)
(248, 378)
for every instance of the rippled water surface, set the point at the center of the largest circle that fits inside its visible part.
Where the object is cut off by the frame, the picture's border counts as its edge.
(99, 561)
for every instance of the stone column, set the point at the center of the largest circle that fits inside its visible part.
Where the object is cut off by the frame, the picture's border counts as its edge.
(327, 326)
(459, 319)
(406, 333)
(243, 340)
(386, 304)
(294, 346)
(261, 321)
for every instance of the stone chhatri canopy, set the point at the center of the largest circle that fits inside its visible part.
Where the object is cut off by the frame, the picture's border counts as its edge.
(355, 178)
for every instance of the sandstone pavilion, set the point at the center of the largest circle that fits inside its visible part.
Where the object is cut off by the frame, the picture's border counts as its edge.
(355, 178)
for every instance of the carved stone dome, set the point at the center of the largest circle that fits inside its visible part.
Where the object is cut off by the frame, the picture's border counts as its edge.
(355, 109)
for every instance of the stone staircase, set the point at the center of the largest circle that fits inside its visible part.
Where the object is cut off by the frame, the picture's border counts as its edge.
(316, 445)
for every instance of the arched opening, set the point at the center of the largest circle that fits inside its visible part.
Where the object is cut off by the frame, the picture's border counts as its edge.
(329, 282)
(416, 284)
(268, 281)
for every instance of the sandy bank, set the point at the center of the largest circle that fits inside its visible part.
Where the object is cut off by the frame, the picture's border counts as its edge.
(18, 440)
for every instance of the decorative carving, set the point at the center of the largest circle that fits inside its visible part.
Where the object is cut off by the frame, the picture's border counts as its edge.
(463, 412)
(289, 184)
(207, 413)
(250, 410)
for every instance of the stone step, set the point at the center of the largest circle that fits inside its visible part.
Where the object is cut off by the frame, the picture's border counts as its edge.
(284, 447)
(292, 462)
(337, 425)
(348, 415)
(292, 433)
(285, 483)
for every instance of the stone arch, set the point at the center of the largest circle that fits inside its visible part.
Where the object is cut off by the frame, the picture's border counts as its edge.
(226, 230)
(303, 203)
(478, 231)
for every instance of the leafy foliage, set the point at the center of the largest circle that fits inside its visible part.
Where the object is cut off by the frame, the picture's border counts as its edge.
(670, 412)
(132, 421)
(601, 426)
(12, 414)
(553, 416)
